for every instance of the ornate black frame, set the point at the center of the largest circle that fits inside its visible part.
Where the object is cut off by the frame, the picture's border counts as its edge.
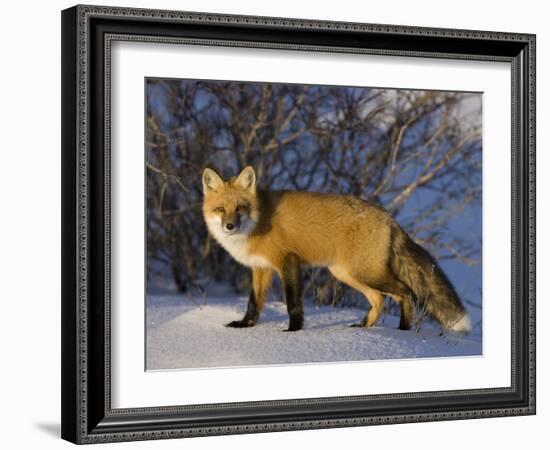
(87, 32)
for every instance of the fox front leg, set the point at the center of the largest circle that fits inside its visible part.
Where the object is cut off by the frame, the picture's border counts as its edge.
(292, 282)
(261, 280)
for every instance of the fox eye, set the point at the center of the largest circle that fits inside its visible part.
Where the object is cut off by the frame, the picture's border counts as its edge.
(220, 209)
(241, 208)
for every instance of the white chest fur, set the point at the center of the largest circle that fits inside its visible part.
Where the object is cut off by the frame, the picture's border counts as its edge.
(237, 246)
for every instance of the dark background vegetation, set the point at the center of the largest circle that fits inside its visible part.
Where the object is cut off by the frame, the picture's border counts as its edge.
(417, 153)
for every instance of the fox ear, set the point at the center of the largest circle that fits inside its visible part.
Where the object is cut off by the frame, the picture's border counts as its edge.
(211, 181)
(247, 179)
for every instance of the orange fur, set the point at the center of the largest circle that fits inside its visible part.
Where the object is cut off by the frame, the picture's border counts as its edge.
(349, 236)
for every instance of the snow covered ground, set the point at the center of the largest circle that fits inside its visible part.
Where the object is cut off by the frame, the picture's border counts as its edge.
(189, 332)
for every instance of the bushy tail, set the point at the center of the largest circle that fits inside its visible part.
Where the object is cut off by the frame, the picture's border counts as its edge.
(433, 292)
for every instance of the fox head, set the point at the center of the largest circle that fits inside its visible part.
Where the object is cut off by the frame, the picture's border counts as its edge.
(230, 207)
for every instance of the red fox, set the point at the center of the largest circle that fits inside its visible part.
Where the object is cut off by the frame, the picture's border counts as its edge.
(359, 242)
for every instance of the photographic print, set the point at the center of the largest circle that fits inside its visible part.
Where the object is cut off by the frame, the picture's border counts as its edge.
(348, 208)
(298, 224)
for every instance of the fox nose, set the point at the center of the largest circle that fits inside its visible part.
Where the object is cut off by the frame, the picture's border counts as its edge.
(229, 226)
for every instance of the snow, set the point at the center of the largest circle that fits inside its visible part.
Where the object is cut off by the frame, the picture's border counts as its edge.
(185, 331)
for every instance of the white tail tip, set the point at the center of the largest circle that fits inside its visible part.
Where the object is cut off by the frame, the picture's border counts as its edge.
(463, 325)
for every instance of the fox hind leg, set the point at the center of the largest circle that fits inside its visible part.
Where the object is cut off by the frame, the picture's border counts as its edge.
(374, 297)
(374, 290)
(376, 300)
(388, 284)
(404, 296)
(406, 306)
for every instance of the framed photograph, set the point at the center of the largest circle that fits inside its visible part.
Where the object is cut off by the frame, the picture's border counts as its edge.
(281, 224)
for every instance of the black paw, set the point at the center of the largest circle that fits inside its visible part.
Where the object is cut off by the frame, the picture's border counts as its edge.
(240, 324)
(357, 325)
(295, 325)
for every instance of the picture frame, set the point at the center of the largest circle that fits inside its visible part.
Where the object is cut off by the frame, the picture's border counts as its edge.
(87, 366)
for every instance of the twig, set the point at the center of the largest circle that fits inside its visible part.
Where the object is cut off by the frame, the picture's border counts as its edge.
(166, 175)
